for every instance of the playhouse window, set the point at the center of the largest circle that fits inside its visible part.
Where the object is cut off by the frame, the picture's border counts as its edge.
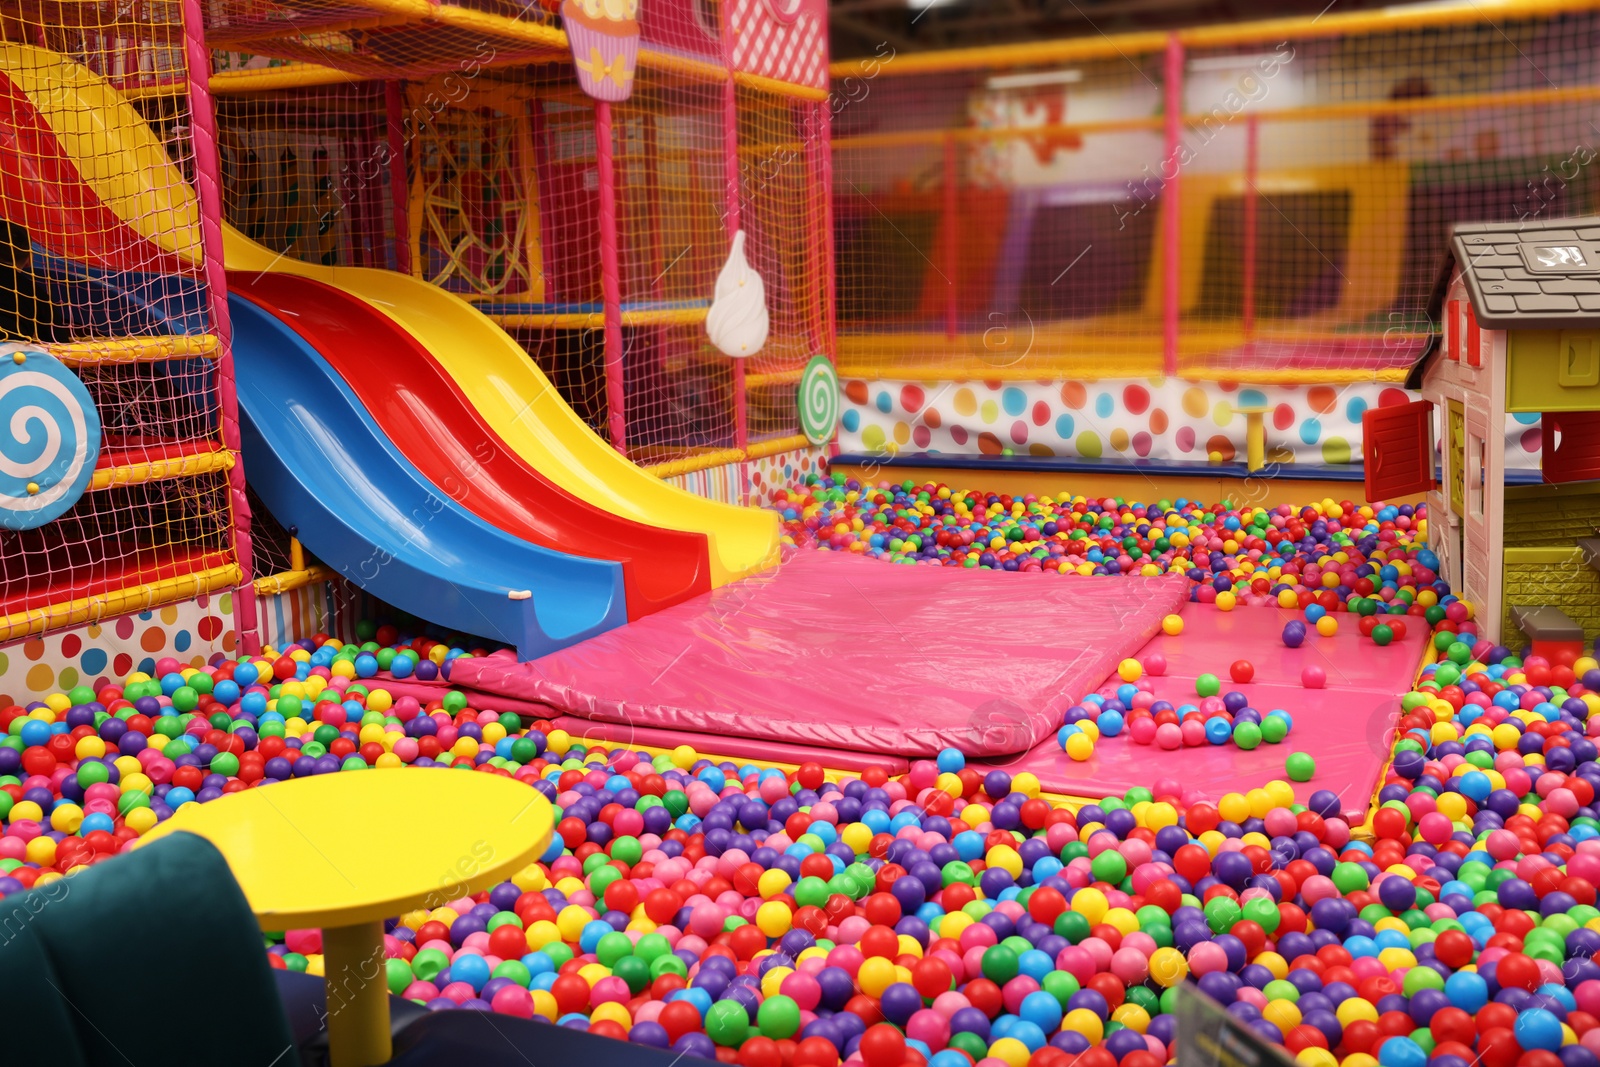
(1477, 475)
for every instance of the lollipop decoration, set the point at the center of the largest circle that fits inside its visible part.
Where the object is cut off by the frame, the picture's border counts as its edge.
(818, 400)
(737, 322)
(52, 439)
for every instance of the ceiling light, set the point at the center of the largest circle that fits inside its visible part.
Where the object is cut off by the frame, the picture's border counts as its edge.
(1029, 81)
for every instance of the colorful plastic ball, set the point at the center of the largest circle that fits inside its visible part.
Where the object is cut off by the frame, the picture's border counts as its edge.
(1300, 766)
(1327, 626)
(1130, 670)
(1207, 685)
(1247, 735)
(1172, 625)
(1242, 671)
(1313, 677)
(1294, 633)
(1079, 747)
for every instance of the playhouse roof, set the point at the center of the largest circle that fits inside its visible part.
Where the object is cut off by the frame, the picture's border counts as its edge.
(1527, 275)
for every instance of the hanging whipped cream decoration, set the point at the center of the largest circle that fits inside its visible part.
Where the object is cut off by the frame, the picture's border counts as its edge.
(737, 321)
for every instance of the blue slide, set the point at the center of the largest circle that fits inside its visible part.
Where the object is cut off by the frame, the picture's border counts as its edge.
(322, 466)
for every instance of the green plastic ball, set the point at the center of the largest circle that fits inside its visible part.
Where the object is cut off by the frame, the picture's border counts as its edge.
(1207, 685)
(1247, 735)
(1300, 766)
(778, 1017)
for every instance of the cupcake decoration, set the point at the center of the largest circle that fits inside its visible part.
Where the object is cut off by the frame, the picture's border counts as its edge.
(604, 35)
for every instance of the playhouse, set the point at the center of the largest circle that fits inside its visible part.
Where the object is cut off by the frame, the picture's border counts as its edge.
(1519, 306)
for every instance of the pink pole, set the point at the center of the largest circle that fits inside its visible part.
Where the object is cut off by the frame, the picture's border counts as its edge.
(1252, 152)
(610, 276)
(824, 120)
(1172, 228)
(951, 242)
(208, 185)
(399, 181)
(730, 164)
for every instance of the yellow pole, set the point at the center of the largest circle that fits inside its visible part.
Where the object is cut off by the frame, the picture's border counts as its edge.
(358, 995)
(1255, 438)
(297, 555)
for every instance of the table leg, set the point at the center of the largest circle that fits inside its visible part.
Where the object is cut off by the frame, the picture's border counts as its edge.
(358, 995)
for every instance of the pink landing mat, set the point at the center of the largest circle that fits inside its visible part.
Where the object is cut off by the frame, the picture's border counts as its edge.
(847, 653)
(1346, 727)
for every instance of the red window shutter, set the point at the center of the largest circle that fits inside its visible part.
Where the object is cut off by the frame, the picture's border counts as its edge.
(1397, 446)
(1571, 451)
(1474, 349)
(1452, 330)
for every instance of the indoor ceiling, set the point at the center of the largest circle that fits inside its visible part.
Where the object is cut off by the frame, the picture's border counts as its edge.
(865, 27)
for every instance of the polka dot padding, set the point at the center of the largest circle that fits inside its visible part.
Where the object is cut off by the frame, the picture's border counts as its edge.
(1146, 418)
(106, 651)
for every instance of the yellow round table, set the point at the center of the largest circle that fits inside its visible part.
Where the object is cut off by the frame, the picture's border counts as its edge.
(343, 852)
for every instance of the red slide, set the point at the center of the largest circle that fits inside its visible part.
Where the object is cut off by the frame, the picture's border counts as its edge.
(424, 413)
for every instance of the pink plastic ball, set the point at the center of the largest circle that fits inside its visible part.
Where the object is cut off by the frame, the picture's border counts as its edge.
(1313, 677)
(513, 1000)
(1169, 736)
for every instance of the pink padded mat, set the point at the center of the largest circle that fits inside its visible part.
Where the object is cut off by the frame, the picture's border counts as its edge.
(1346, 727)
(846, 653)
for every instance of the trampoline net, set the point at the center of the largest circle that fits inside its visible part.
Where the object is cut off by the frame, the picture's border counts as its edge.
(1020, 221)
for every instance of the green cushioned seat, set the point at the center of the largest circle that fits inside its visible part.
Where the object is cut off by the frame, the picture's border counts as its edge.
(150, 958)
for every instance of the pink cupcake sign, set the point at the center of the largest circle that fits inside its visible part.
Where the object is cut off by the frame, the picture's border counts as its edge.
(604, 35)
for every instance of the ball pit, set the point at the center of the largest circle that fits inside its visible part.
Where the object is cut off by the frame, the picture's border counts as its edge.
(951, 915)
(1317, 554)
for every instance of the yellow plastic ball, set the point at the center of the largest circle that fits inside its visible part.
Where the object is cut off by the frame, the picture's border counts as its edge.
(1085, 1022)
(1168, 967)
(543, 932)
(1234, 807)
(1130, 670)
(876, 975)
(1079, 747)
(571, 920)
(772, 882)
(1091, 904)
(1132, 1016)
(1327, 626)
(1226, 601)
(1006, 858)
(1284, 1014)
(1010, 1051)
(683, 757)
(1027, 784)
(544, 1004)
(1172, 625)
(1312, 1056)
(140, 820)
(1355, 1009)
(614, 1012)
(66, 818)
(774, 919)
(41, 850)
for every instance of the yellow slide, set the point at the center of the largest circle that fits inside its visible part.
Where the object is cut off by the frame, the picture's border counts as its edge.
(127, 167)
